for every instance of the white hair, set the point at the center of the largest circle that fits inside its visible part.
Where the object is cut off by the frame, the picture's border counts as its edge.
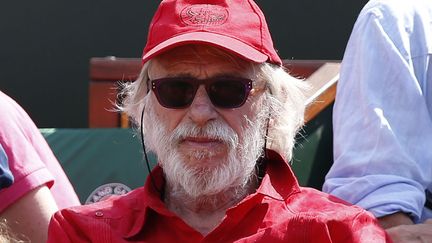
(285, 100)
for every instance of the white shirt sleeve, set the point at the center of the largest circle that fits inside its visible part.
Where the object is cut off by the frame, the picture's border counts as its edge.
(382, 115)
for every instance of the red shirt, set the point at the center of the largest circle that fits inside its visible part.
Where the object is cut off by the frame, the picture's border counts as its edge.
(280, 211)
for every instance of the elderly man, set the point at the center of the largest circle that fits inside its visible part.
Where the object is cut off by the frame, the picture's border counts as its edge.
(220, 113)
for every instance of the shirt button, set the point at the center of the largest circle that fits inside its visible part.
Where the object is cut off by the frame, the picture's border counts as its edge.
(99, 214)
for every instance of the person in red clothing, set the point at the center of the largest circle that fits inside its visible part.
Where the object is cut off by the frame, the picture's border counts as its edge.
(221, 113)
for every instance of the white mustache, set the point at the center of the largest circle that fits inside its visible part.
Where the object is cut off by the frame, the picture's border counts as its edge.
(214, 130)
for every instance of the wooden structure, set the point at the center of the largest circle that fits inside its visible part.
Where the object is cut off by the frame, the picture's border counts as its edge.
(105, 76)
(107, 72)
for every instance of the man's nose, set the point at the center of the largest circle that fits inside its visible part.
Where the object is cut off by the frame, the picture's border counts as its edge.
(202, 110)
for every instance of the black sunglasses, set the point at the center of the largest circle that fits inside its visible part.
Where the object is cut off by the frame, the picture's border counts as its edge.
(179, 92)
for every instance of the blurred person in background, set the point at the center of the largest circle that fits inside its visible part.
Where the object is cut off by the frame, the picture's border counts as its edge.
(382, 118)
(33, 184)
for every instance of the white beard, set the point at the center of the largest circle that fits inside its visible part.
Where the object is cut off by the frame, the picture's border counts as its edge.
(198, 180)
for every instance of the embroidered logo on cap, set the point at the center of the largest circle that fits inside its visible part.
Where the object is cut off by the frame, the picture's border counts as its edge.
(204, 14)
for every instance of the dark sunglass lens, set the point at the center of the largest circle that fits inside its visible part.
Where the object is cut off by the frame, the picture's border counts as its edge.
(228, 93)
(175, 94)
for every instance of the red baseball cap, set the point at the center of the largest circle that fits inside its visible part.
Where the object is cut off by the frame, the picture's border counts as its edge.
(238, 26)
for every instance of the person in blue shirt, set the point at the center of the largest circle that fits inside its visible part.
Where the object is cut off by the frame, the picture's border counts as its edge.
(382, 118)
(6, 177)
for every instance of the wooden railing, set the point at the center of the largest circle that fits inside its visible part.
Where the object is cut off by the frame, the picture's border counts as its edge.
(107, 72)
(105, 75)
(322, 77)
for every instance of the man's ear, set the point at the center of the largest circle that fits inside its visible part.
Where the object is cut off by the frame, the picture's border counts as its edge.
(147, 84)
(271, 122)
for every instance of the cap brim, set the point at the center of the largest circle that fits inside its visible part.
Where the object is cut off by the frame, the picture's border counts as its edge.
(230, 44)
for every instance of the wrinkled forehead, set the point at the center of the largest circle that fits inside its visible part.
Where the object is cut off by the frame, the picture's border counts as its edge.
(199, 60)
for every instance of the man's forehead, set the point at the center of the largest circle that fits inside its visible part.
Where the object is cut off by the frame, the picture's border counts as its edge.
(200, 53)
(192, 58)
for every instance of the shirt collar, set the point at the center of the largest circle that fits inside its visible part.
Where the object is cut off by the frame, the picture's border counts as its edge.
(150, 198)
(278, 183)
